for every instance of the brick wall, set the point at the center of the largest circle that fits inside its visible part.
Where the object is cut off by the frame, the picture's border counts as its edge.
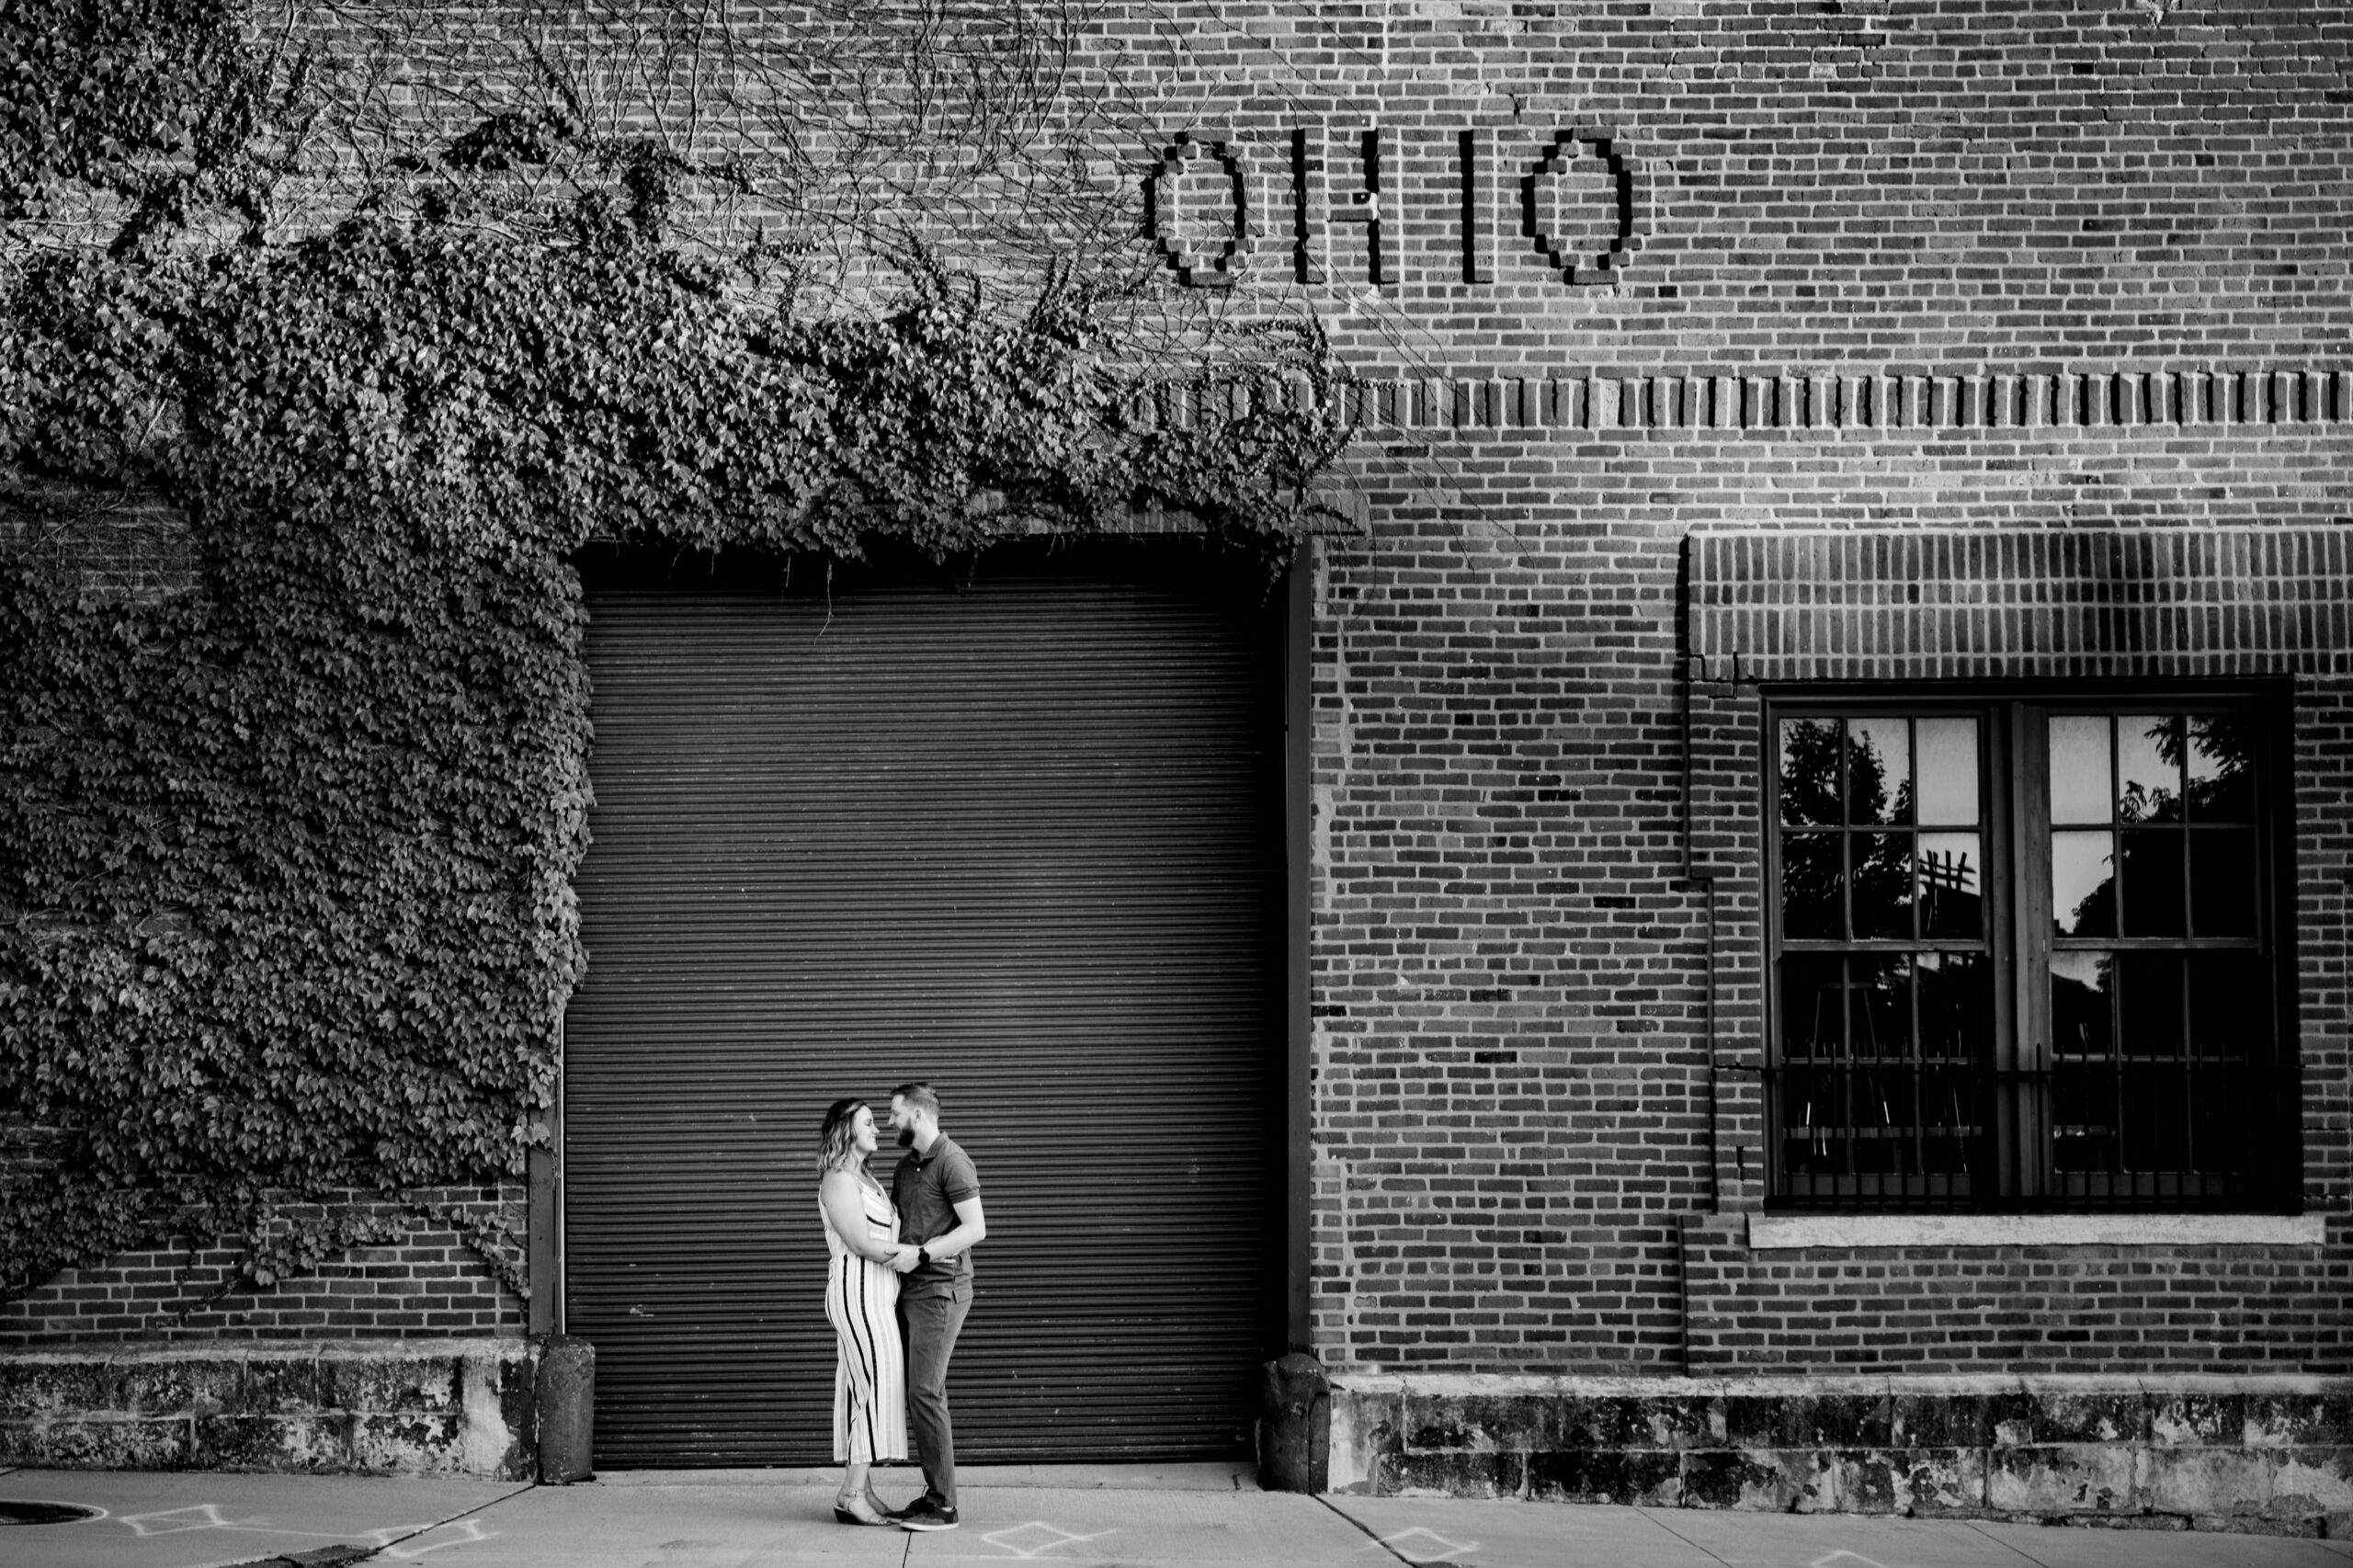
(1883, 185)
(2026, 1309)
(1538, 957)
(1881, 265)
(432, 1285)
(1890, 187)
(2071, 268)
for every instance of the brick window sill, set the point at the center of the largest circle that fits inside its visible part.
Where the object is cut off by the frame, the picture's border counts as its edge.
(1786, 1231)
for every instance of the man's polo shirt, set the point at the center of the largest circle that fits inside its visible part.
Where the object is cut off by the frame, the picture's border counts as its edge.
(927, 1187)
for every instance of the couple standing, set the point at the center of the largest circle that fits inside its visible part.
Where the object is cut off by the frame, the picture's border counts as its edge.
(898, 1283)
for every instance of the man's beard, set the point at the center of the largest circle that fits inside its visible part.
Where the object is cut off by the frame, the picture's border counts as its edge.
(907, 1136)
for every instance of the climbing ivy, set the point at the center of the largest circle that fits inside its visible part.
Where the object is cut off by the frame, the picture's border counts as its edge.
(287, 840)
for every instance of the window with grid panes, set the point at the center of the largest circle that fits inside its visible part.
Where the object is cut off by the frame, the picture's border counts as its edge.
(2023, 955)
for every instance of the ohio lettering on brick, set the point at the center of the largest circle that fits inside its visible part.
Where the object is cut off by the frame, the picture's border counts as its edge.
(1376, 208)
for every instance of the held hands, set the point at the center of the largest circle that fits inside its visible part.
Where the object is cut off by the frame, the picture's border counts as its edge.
(902, 1259)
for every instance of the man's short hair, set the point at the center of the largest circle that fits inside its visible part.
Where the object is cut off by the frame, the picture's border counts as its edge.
(920, 1094)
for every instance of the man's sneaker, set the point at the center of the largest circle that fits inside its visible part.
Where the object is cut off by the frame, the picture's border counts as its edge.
(928, 1514)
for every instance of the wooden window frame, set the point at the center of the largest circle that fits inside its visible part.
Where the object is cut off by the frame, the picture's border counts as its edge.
(2014, 1169)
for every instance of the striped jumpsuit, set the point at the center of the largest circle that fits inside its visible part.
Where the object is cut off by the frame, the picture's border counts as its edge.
(870, 1365)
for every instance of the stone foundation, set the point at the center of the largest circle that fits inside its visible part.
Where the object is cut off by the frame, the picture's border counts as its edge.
(2271, 1454)
(410, 1407)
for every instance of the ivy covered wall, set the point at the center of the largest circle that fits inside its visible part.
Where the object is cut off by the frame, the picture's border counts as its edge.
(287, 826)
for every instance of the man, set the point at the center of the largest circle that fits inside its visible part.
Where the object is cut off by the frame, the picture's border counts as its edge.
(938, 1197)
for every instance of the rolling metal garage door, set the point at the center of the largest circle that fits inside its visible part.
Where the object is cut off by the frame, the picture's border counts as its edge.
(1018, 836)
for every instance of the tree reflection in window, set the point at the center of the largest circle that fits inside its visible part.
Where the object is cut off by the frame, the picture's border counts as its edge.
(2154, 856)
(1882, 1025)
(2153, 831)
(1880, 840)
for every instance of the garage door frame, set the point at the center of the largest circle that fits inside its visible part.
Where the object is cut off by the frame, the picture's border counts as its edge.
(1296, 596)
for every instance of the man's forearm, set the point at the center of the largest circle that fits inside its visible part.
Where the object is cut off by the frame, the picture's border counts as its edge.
(962, 1239)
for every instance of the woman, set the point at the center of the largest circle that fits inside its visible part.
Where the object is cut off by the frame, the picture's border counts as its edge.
(861, 1301)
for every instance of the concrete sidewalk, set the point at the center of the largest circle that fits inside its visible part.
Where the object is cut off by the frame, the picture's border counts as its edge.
(1174, 1515)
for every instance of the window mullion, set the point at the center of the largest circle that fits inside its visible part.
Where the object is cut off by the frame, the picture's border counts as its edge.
(2022, 1032)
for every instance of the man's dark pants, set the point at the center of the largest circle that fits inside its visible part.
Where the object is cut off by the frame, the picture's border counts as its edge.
(930, 1324)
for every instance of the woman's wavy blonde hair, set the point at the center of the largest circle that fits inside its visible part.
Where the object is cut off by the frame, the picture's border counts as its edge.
(837, 1136)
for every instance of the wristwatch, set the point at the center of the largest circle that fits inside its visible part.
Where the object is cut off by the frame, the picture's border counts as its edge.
(923, 1258)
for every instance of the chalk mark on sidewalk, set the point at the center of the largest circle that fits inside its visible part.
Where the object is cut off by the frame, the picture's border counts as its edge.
(393, 1543)
(1060, 1537)
(202, 1516)
(1365, 1529)
(391, 1549)
(1396, 1544)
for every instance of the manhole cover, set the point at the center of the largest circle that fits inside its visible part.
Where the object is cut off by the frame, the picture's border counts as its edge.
(16, 1512)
